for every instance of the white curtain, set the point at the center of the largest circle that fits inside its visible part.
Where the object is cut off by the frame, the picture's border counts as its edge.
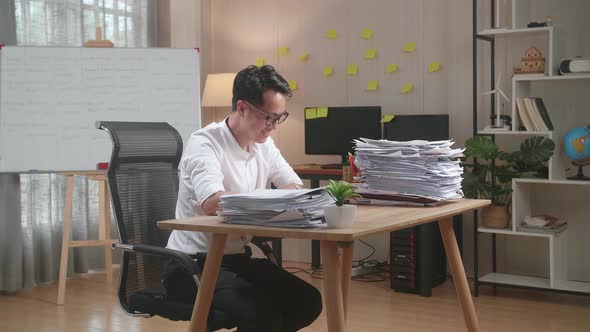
(73, 22)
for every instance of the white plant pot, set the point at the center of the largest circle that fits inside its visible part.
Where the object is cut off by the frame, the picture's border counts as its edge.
(340, 216)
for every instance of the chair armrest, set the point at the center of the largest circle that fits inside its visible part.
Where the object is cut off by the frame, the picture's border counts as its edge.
(187, 261)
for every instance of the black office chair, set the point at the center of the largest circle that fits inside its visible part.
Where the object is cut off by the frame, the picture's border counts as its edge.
(143, 183)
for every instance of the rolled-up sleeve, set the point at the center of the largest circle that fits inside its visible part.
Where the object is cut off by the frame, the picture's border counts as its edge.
(203, 167)
(281, 173)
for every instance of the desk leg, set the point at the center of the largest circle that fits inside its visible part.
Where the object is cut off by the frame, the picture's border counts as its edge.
(104, 218)
(458, 273)
(347, 253)
(315, 244)
(333, 286)
(208, 280)
(65, 240)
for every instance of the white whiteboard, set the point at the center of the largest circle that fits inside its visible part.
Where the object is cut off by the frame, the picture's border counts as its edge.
(51, 98)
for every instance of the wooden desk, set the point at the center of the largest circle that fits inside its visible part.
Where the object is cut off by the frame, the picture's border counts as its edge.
(104, 227)
(369, 220)
(314, 174)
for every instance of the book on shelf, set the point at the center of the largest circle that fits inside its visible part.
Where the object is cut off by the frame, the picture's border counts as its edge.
(542, 223)
(533, 114)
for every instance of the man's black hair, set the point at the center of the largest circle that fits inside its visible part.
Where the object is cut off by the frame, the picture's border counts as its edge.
(251, 83)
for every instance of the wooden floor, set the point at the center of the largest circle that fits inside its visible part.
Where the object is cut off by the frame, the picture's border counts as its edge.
(92, 306)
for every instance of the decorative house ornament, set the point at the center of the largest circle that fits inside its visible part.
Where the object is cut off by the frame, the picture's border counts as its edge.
(531, 62)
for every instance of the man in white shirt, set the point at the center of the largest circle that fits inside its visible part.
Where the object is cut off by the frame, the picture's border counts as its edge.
(234, 156)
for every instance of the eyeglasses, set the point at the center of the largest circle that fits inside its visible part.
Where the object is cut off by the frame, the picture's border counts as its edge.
(270, 120)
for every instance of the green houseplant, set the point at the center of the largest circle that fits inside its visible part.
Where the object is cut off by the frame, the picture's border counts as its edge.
(341, 215)
(491, 177)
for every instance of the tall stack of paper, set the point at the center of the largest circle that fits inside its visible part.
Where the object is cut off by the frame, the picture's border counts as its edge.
(278, 207)
(424, 171)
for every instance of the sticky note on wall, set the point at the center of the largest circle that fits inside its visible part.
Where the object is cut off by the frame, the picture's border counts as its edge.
(371, 53)
(322, 112)
(367, 34)
(310, 113)
(409, 47)
(331, 34)
(387, 118)
(352, 69)
(328, 71)
(259, 62)
(372, 85)
(434, 67)
(407, 88)
(283, 50)
(392, 67)
(304, 57)
(292, 85)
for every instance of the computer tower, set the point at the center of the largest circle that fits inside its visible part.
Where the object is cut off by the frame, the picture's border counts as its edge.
(418, 261)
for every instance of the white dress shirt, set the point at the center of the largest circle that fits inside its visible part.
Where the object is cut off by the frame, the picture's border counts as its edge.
(213, 161)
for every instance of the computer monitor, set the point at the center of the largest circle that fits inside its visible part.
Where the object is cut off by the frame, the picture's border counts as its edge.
(428, 127)
(333, 135)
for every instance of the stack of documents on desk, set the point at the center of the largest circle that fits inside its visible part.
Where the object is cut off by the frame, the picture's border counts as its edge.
(415, 172)
(278, 207)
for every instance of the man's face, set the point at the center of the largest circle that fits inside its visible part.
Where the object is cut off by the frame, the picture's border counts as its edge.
(261, 121)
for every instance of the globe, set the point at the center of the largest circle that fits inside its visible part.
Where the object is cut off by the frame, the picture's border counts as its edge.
(577, 144)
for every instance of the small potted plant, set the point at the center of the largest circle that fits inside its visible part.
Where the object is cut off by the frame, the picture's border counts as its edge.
(341, 215)
(491, 178)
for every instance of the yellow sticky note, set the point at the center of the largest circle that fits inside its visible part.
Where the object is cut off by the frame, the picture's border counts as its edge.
(259, 62)
(292, 85)
(328, 71)
(409, 47)
(407, 88)
(352, 69)
(435, 66)
(283, 50)
(372, 85)
(331, 33)
(367, 34)
(387, 118)
(392, 67)
(310, 113)
(322, 112)
(371, 53)
(304, 57)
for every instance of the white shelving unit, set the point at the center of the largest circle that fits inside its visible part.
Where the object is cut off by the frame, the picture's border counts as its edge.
(533, 196)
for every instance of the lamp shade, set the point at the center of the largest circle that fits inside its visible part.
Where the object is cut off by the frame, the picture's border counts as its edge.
(218, 90)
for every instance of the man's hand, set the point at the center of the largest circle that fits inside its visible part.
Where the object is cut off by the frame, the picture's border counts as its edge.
(211, 204)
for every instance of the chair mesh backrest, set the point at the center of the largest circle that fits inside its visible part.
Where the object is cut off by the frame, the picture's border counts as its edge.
(143, 183)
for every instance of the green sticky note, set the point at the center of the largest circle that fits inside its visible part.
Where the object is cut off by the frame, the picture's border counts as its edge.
(407, 88)
(310, 113)
(331, 33)
(371, 53)
(283, 50)
(409, 47)
(328, 71)
(322, 112)
(372, 85)
(259, 62)
(433, 67)
(304, 57)
(387, 118)
(292, 85)
(367, 34)
(392, 67)
(352, 69)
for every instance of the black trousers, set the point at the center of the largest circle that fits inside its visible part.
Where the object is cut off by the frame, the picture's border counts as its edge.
(255, 293)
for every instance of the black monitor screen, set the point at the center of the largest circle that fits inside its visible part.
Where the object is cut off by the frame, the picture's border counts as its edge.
(413, 127)
(333, 135)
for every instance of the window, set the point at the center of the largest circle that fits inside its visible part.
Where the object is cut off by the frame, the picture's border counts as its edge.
(72, 22)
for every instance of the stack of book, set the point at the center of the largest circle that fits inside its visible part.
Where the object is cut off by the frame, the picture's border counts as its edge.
(542, 224)
(533, 114)
(278, 207)
(408, 172)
